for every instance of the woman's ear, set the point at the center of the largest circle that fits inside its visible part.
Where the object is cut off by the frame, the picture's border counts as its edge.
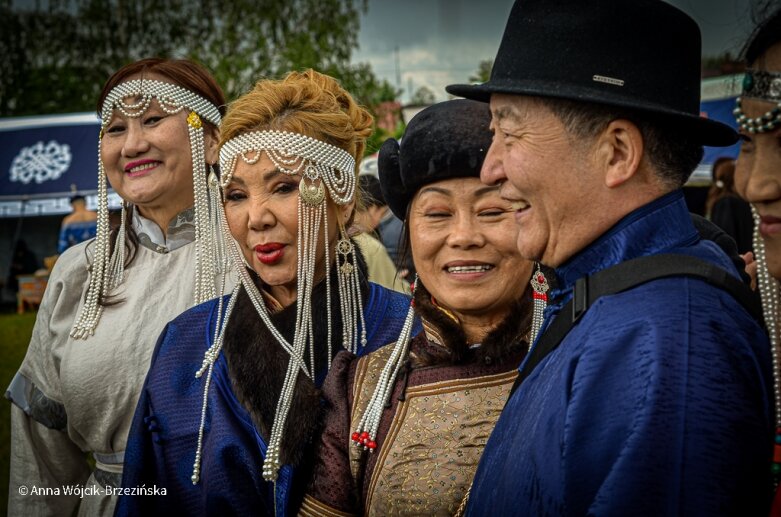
(347, 213)
(211, 141)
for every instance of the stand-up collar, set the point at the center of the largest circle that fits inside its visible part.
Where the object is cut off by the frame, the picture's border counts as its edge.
(661, 225)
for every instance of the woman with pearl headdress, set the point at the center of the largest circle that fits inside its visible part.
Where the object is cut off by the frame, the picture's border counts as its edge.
(758, 181)
(109, 298)
(231, 404)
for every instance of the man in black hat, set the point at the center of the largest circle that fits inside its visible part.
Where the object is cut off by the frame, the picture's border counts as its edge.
(648, 392)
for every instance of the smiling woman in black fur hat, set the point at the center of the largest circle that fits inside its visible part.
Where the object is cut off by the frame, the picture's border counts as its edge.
(424, 406)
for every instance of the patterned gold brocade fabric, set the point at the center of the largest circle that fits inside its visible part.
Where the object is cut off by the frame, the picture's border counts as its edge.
(434, 441)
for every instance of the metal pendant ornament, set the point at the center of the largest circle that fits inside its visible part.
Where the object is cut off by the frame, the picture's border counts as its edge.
(540, 288)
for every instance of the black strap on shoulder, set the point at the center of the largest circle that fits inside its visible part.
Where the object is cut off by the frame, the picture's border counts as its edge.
(627, 275)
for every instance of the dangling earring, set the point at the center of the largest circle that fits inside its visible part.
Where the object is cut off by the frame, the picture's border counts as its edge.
(540, 296)
(89, 316)
(349, 292)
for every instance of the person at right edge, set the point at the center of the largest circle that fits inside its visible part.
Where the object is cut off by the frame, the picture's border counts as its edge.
(757, 180)
(657, 401)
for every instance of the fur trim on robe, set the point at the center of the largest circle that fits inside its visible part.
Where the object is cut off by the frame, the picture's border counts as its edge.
(258, 364)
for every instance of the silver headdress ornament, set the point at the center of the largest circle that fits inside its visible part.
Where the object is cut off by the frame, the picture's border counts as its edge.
(108, 272)
(319, 164)
(765, 86)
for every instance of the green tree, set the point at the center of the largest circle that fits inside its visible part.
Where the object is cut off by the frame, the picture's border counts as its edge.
(55, 58)
(422, 96)
(483, 71)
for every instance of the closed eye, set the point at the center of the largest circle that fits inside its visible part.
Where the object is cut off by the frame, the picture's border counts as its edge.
(285, 188)
(235, 195)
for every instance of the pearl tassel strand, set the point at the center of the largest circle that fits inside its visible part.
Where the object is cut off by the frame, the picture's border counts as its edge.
(89, 316)
(211, 356)
(769, 294)
(366, 433)
(206, 261)
(310, 213)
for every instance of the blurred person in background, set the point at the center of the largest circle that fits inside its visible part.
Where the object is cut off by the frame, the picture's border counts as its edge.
(368, 214)
(78, 226)
(726, 208)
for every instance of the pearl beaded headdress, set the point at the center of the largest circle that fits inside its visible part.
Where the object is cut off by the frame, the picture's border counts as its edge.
(761, 85)
(318, 163)
(108, 272)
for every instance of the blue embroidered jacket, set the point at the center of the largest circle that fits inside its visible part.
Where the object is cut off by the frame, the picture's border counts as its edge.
(658, 402)
(163, 437)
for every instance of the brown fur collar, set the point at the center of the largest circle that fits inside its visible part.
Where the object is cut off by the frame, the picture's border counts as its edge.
(258, 364)
(503, 342)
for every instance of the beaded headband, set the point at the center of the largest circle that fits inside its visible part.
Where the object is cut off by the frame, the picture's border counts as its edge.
(318, 159)
(765, 86)
(171, 98)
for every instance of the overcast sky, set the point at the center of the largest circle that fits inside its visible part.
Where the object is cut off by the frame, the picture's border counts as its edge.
(442, 42)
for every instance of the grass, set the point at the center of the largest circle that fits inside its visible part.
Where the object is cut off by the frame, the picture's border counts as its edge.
(15, 332)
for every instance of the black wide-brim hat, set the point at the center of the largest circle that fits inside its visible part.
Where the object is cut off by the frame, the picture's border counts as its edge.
(638, 54)
(444, 141)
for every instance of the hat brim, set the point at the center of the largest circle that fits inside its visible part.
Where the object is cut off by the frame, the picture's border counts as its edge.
(705, 131)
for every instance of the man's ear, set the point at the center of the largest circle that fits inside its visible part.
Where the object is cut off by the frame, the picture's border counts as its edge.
(619, 151)
(211, 141)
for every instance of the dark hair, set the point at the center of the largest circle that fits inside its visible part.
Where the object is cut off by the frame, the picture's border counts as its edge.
(671, 151)
(371, 193)
(182, 72)
(766, 34)
(77, 197)
(715, 193)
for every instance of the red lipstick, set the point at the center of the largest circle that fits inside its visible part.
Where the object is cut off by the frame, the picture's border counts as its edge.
(138, 163)
(270, 253)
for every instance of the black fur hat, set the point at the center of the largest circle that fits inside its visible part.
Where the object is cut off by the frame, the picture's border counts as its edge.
(637, 54)
(446, 140)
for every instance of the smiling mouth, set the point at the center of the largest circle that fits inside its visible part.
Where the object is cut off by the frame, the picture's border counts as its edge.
(519, 205)
(141, 167)
(469, 269)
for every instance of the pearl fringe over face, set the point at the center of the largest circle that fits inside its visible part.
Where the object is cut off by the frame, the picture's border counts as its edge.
(108, 272)
(320, 165)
